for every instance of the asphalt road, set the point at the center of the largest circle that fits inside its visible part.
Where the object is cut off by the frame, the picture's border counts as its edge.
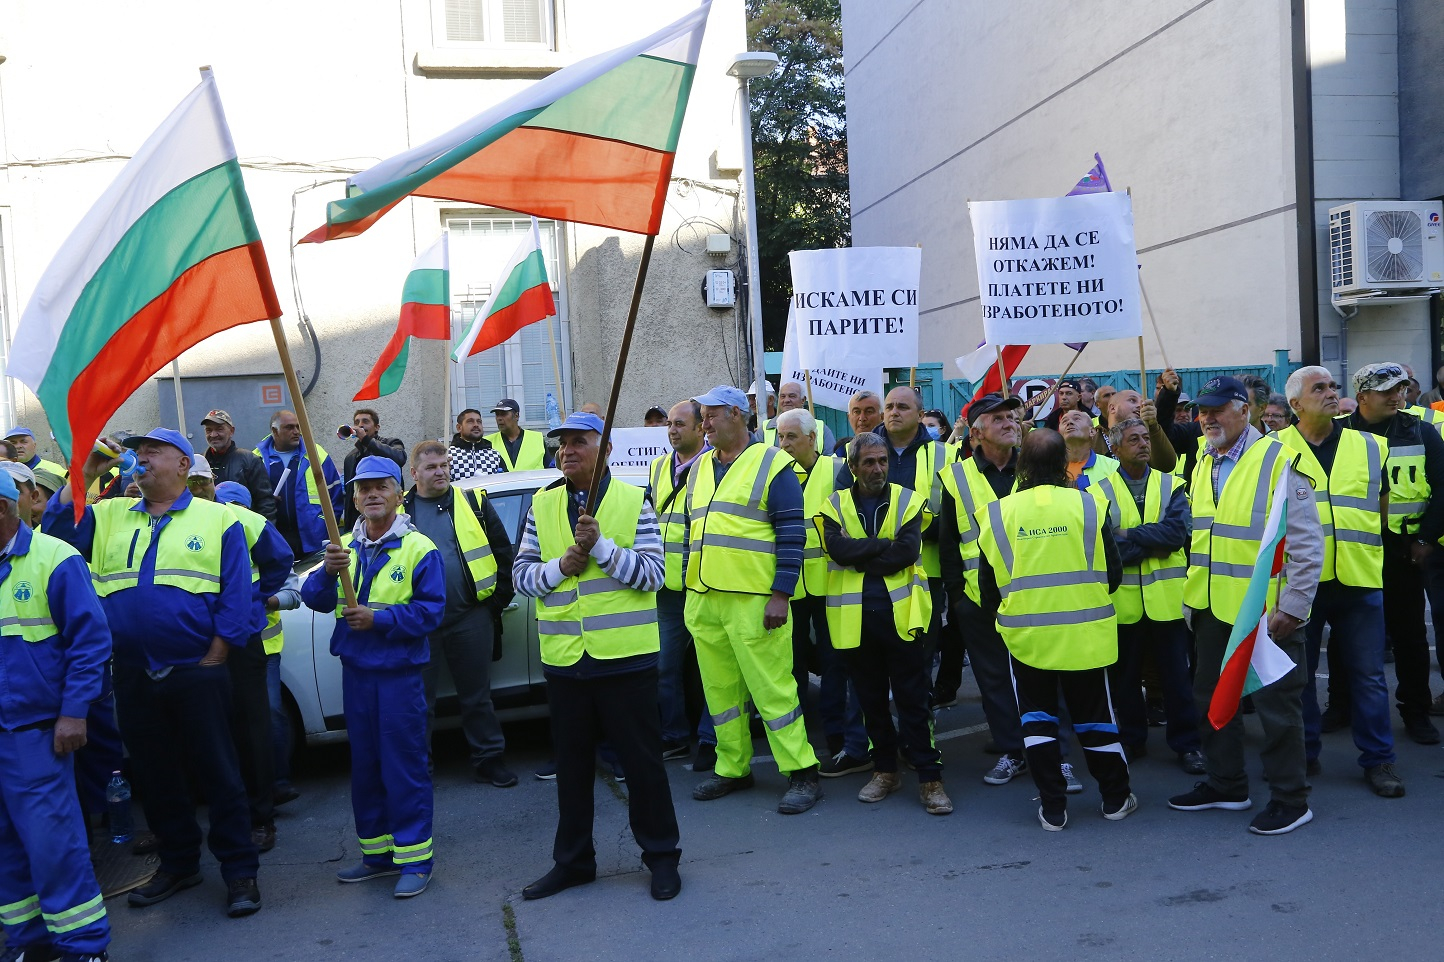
(846, 880)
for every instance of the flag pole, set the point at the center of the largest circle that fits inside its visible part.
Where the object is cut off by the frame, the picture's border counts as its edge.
(1004, 387)
(807, 380)
(1053, 388)
(617, 378)
(557, 370)
(1154, 321)
(180, 401)
(1142, 370)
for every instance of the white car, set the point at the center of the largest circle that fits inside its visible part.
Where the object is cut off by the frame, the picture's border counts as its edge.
(311, 675)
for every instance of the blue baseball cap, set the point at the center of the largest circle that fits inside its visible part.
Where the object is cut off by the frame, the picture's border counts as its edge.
(20, 432)
(375, 467)
(233, 492)
(1220, 391)
(578, 421)
(8, 488)
(723, 395)
(165, 436)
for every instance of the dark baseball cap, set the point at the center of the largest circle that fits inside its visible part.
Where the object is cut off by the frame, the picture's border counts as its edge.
(1220, 391)
(506, 404)
(989, 403)
(1072, 382)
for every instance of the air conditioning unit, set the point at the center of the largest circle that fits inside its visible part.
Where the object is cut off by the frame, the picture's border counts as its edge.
(1385, 250)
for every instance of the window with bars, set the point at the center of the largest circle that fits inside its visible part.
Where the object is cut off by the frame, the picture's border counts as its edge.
(523, 368)
(522, 23)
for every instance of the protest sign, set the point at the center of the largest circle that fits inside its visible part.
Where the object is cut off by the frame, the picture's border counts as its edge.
(832, 387)
(856, 307)
(1057, 269)
(636, 447)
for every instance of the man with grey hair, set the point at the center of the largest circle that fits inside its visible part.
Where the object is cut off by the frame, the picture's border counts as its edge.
(1351, 488)
(1239, 470)
(792, 397)
(820, 475)
(297, 496)
(864, 412)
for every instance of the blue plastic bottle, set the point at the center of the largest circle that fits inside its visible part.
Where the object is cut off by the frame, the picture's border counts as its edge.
(117, 797)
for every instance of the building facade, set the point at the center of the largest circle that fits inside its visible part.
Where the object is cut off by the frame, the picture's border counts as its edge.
(314, 92)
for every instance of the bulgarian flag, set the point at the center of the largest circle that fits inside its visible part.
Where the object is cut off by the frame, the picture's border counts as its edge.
(592, 143)
(1252, 660)
(168, 256)
(521, 297)
(425, 312)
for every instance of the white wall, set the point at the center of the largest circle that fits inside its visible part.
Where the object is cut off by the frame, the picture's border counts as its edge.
(325, 87)
(1193, 111)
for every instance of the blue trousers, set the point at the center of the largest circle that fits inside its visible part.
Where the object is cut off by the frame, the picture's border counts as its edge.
(280, 727)
(390, 789)
(837, 697)
(671, 673)
(1356, 649)
(48, 891)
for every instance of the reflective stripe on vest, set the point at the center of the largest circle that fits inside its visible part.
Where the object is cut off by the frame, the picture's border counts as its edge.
(817, 487)
(927, 479)
(392, 585)
(1155, 585)
(471, 538)
(531, 456)
(188, 552)
(907, 589)
(1408, 485)
(971, 492)
(1227, 536)
(1045, 546)
(672, 521)
(24, 602)
(731, 542)
(1347, 498)
(592, 612)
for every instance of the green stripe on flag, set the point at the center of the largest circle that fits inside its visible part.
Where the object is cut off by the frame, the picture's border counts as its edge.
(197, 220)
(425, 287)
(640, 101)
(390, 379)
(531, 272)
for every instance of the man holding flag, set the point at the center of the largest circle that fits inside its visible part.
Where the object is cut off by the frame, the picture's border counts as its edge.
(1248, 501)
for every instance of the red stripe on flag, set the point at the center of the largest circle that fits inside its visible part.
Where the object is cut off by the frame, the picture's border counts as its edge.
(1229, 691)
(1013, 355)
(534, 304)
(215, 295)
(351, 228)
(429, 321)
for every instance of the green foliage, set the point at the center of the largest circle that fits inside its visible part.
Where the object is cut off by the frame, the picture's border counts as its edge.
(799, 131)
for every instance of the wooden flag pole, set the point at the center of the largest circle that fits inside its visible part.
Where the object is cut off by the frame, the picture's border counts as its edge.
(1006, 388)
(1154, 321)
(1142, 370)
(1053, 388)
(913, 378)
(557, 370)
(333, 530)
(617, 379)
(807, 380)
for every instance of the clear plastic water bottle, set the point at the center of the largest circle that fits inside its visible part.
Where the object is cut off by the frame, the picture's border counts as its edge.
(117, 797)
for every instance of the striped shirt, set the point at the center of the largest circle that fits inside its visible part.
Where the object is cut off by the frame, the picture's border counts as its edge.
(642, 566)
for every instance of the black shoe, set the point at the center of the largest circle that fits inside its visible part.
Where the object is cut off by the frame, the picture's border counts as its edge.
(162, 885)
(1280, 819)
(243, 897)
(943, 699)
(264, 837)
(1421, 729)
(844, 764)
(1312, 767)
(548, 772)
(1333, 719)
(281, 796)
(802, 793)
(1157, 717)
(29, 953)
(1384, 780)
(493, 771)
(666, 881)
(1193, 762)
(1205, 796)
(675, 750)
(720, 785)
(706, 759)
(559, 879)
(1436, 707)
(145, 843)
(1135, 752)
(617, 772)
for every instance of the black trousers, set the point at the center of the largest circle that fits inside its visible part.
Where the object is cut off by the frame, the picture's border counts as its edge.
(883, 659)
(466, 647)
(251, 728)
(1167, 641)
(948, 644)
(1086, 694)
(990, 659)
(179, 724)
(1404, 625)
(621, 710)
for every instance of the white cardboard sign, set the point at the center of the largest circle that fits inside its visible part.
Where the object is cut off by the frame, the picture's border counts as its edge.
(856, 308)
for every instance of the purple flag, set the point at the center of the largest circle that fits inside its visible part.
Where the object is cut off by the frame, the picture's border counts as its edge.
(1093, 182)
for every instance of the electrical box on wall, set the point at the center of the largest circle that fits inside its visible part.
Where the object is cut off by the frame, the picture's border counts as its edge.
(720, 289)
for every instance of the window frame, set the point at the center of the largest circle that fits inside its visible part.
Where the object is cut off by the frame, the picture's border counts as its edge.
(495, 22)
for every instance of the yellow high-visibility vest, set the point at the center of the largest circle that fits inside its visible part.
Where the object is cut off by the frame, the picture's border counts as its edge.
(907, 589)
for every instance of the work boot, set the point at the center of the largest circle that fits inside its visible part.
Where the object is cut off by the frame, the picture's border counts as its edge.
(881, 786)
(719, 785)
(803, 792)
(1384, 780)
(934, 799)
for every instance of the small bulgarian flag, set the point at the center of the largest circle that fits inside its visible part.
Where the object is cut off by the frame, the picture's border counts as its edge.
(521, 297)
(168, 256)
(425, 313)
(1252, 660)
(592, 143)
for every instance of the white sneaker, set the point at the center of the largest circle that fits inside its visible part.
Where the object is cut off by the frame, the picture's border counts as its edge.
(1007, 769)
(1074, 785)
(1129, 806)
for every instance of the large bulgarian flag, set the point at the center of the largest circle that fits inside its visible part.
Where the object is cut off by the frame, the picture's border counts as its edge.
(522, 296)
(168, 256)
(1252, 660)
(592, 143)
(425, 313)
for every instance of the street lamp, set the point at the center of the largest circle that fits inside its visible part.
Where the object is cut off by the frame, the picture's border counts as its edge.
(746, 66)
